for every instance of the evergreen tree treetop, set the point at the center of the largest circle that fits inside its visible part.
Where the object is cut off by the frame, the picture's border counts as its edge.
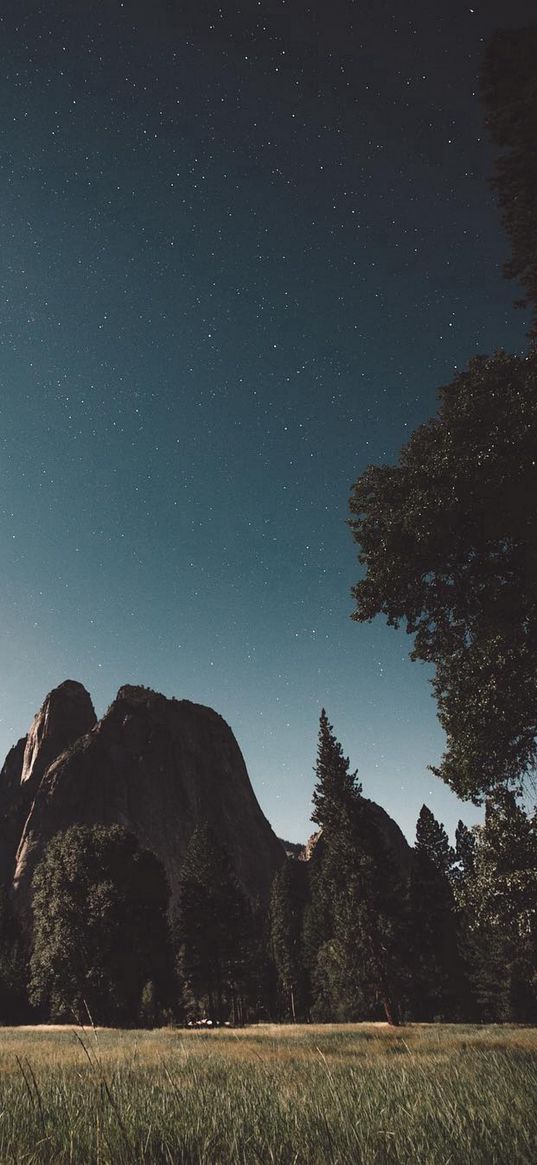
(432, 841)
(465, 847)
(336, 787)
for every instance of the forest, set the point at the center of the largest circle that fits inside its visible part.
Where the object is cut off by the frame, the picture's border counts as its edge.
(356, 932)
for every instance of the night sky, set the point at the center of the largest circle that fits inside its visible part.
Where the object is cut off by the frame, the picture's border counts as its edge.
(241, 248)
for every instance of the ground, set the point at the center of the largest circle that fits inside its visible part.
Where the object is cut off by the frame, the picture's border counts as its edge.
(356, 1094)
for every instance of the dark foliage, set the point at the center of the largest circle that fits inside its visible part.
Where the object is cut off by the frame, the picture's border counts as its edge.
(215, 932)
(288, 902)
(448, 540)
(439, 988)
(354, 926)
(496, 891)
(100, 928)
(14, 1004)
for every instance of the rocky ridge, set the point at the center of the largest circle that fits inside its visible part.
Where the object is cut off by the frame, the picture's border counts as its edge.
(157, 766)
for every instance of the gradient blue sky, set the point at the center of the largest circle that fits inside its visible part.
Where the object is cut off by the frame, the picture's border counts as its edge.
(240, 251)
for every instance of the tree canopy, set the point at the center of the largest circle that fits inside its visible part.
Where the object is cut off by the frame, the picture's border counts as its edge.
(287, 904)
(335, 787)
(214, 928)
(448, 542)
(358, 902)
(100, 927)
(496, 890)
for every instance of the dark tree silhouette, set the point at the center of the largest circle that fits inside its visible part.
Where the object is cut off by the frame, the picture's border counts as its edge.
(448, 540)
(100, 926)
(497, 894)
(215, 929)
(287, 905)
(438, 984)
(358, 903)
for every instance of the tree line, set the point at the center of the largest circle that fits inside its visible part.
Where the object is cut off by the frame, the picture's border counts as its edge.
(353, 933)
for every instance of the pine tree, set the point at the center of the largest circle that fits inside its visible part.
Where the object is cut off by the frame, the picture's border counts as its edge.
(438, 987)
(214, 928)
(465, 844)
(499, 901)
(335, 787)
(432, 843)
(287, 904)
(354, 888)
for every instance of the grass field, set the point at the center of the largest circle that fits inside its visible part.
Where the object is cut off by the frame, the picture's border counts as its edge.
(340, 1095)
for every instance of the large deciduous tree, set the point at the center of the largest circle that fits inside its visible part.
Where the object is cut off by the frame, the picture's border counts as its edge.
(448, 543)
(100, 927)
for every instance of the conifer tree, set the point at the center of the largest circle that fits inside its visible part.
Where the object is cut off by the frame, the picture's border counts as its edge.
(214, 928)
(287, 903)
(335, 787)
(499, 901)
(465, 844)
(354, 888)
(432, 843)
(438, 980)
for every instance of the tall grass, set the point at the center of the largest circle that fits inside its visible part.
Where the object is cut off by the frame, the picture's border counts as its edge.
(279, 1096)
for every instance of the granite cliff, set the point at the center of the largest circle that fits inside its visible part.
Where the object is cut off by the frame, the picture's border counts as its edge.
(67, 713)
(391, 836)
(157, 766)
(154, 765)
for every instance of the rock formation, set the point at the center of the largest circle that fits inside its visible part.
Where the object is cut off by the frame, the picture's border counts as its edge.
(156, 766)
(66, 714)
(392, 837)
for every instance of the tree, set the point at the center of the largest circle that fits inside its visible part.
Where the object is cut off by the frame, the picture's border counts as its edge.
(335, 787)
(498, 896)
(438, 987)
(357, 892)
(432, 844)
(509, 94)
(14, 1006)
(100, 927)
(287, 905)
(448, 542)
(465, 844)
(215, 929)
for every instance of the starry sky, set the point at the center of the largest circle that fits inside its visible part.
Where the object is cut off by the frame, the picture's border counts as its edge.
(241, 247)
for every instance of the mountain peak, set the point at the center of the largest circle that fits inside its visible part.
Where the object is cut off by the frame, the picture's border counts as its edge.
(66, 714)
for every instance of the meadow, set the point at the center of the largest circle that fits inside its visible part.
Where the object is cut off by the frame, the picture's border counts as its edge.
(269, 1095)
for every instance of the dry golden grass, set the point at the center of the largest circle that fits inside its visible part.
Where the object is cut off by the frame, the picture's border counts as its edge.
(55, 1045)
(354, 1094)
